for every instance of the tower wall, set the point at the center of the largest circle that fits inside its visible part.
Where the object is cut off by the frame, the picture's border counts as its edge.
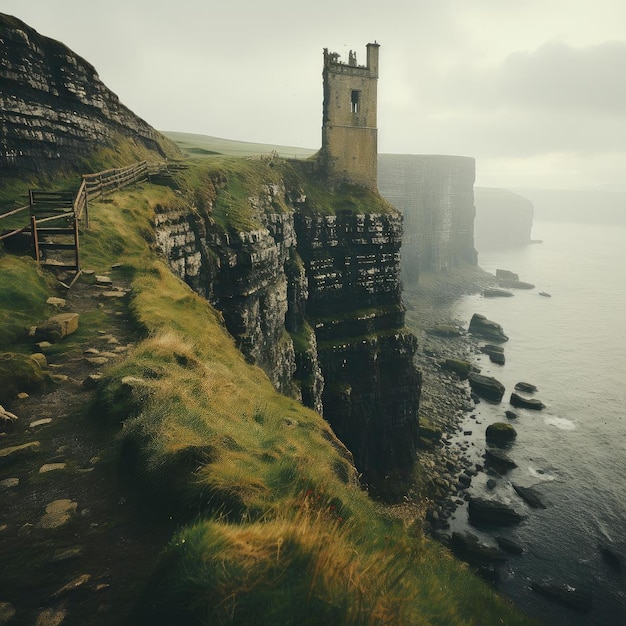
(349, 133)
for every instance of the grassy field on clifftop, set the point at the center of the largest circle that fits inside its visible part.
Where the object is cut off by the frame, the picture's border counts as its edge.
(273, 525)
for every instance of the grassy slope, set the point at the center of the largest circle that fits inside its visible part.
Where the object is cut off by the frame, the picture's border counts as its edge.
(277, 529)
(203, 145)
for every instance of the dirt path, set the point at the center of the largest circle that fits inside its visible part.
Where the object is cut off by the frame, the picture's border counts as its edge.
(75, 545)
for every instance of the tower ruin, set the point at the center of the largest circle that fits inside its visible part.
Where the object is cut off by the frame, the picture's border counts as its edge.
(349, 134)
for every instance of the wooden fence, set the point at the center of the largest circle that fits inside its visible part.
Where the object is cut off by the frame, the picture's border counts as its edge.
(50, 207)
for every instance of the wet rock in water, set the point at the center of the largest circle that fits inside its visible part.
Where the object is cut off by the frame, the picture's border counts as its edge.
(545, 294)
(469, 548)
(501, 461)
(492, 483)
(575, 598)
(495, 353)
(510, 546)
(483, 327)
(506, 275)
(511, 415)
(492, 513)
(611, 557)
(500, 433)
(497, 293)
(525, 387)
(9, 483)
(526, 403)
(486, 386)
(529, 496)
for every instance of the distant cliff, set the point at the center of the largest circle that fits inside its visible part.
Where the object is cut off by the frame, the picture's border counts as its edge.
(310, 289)
(503, 218)
(436, 196)
(55, 109)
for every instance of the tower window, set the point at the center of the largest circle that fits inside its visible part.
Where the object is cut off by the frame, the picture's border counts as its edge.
(354, 101)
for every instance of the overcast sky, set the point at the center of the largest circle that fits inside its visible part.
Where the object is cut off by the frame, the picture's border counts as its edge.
(533, 89)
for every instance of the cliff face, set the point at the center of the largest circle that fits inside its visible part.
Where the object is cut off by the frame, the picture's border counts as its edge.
(315, 301)
(55, 108)
(503, 219)
(436, 195)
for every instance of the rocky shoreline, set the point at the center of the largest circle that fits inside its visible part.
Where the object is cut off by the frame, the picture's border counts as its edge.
(443, 470)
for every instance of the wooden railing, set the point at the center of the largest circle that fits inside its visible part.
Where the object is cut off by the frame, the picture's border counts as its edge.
(47, 206)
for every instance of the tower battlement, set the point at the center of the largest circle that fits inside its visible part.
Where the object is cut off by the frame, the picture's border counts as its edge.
(349, 133)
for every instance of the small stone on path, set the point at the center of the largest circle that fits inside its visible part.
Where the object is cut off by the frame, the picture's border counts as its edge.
(97, 360)
(73, 585)
(14, 453)
(9, 483)
(41, 422)
(59, 302)
(7, 612)
(51, 617)
(103, 280)
(52, 467)
(58, 513)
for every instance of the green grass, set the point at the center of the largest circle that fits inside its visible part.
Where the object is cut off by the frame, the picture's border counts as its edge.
(274, 527)
(203, 145)
(24, 290)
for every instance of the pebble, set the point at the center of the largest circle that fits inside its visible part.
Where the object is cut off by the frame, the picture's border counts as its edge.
(7, 612)
(58, 513)
(51, 467)
(103, 280)
(41, 422)
(51, 617)
(9, 483)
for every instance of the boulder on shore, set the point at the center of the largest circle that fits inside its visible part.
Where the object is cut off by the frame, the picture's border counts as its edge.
(578, 599)
(468, 547)
(526, 403)
(506, 275)
(515, 284)
(529, 496)
(480, 325)
(492, 512)
(492, 292)
(525, 387)
(495, 353)
(486, 386)
(500, 433)
(499, 460)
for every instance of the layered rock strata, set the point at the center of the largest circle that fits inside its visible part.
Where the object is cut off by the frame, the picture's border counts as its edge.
(315, 300)
(55, 108)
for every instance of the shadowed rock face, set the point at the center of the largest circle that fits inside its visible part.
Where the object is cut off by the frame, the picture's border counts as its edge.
(55, 108)
(315, 300)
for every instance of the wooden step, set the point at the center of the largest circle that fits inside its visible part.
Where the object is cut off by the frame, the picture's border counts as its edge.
(52, 230)
(58, 265)
(50, 245)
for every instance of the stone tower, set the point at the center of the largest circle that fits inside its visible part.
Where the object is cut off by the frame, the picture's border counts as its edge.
(349, 134)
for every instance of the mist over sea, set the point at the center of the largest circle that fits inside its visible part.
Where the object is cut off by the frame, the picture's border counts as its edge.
(572, 346)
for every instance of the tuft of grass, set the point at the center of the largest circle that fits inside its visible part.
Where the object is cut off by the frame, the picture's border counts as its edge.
(24, 290)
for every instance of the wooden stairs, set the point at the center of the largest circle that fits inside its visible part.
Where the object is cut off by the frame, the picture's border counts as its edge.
(54, 229)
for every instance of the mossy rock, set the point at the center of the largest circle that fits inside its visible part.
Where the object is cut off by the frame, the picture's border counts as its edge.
(19, 372)
(458, 366)
(501, 432)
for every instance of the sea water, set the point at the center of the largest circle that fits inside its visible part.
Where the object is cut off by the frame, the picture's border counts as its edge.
(572, 346)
